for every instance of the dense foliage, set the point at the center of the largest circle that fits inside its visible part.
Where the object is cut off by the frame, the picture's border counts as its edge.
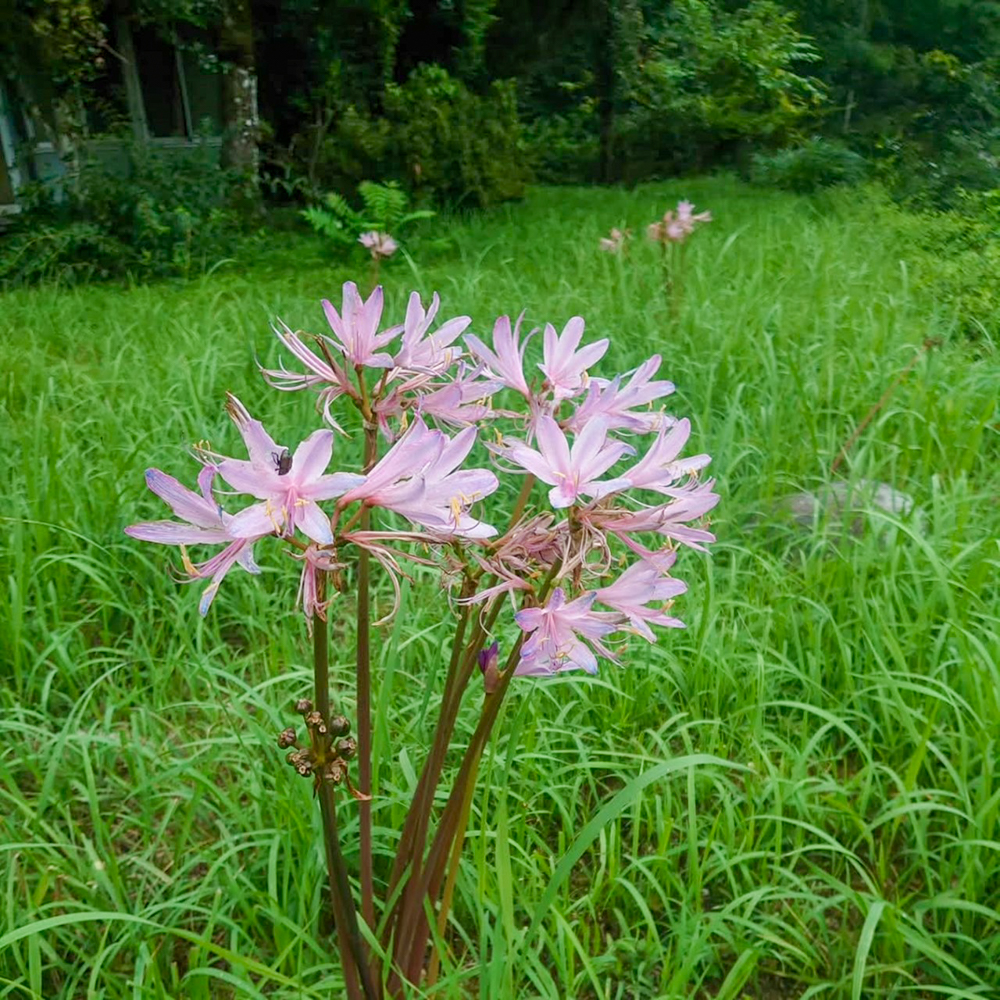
(462, 104)
(157, 217)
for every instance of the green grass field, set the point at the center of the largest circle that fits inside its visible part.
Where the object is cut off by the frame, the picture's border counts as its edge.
(152, 842)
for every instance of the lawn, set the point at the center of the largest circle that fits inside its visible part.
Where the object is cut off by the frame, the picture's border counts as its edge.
(152, 842)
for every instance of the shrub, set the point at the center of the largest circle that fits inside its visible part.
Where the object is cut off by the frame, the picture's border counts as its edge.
(817, 164)
(167, 215)
(436, 138)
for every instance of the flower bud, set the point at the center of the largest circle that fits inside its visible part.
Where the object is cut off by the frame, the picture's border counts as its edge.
(303, 706)
(347, 747)
(287, 738)
(488, 659)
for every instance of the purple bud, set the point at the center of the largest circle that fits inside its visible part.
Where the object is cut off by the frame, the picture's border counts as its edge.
(488, 659)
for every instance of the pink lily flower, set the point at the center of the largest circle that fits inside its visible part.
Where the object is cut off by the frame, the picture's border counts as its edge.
(329, 378)
(433, 353)
(659, 468)
(675, 228)
(687, 216)
(355, 329)
(669, 519)
(617, 404)
(565, 367)
(615, 242)
(506, 362)
(417, 478)
(203, 522)
(380, 245)
(572, 473)
(558, 630)
(289, 485)
(640, 584)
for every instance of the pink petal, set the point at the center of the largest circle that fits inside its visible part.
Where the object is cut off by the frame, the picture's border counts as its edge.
(256, 521)
(313, 523)
(311, 457)
(175, 533)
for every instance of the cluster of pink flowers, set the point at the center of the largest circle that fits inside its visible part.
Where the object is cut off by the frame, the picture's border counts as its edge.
(615, 241)
(677, 225)
(583, 562)
(379, 245)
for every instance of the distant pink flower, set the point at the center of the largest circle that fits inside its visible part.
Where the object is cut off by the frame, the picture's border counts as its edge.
(660, 468)
(615, 241)
(640, 584)
(557, 633)
(618, 404)
(571, 472)
(506, 361)
(380, 245)
(419, 478)
(565, 367)
(686, 214)
(204, 523)
(675, 228)
(290, 485)
(355, 328)
(428, 353)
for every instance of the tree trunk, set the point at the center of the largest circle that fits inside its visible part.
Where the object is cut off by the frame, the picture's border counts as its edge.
(239, 89)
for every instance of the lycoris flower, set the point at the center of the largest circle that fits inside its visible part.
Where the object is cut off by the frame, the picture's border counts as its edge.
(641, 583)
(660, 468)
(557, 634)
(428, 353)
(618, 405)
(614, 242)
(290, 485)
(564, 366)
(677, 227)
(418, 479)
(355, 328)
(571, 472)
(505, 362)
(202, 523)
(380, 245)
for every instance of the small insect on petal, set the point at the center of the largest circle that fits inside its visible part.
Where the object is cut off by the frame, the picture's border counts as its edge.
(282, 461)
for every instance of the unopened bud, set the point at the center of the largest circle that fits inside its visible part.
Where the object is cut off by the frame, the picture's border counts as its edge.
(287, 738)
(303, 705)
(339, 726)
(347, 747)
(488, 659)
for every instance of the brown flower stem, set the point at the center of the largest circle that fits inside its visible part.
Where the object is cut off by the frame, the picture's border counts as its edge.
(452, 878)
(420, 804)
(349, 938)
(411, 947)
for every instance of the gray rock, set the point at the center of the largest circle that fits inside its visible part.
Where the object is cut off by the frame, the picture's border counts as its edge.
(835, 503)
